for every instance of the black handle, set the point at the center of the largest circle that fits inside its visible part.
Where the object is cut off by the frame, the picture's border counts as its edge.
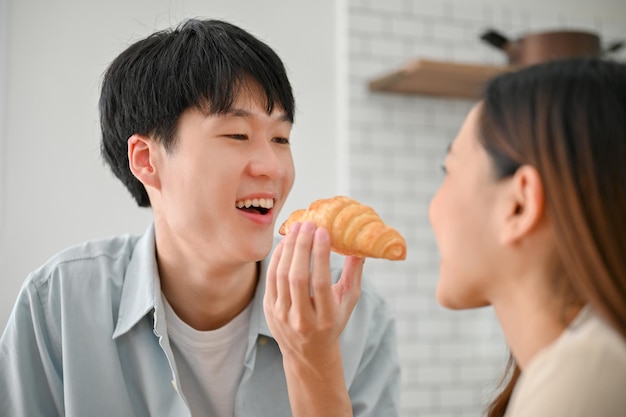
(495, 38)
(614, 47)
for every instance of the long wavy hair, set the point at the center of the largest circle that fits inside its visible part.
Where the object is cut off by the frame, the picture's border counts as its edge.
(567, 118)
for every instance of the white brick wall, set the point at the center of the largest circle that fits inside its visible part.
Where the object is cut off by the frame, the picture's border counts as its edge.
(451, 361)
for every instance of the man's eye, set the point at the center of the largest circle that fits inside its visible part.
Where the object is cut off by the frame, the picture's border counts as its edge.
(284, 141)
(238, 136)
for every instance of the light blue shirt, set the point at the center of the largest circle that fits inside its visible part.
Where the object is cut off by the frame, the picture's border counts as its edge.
(88, 337)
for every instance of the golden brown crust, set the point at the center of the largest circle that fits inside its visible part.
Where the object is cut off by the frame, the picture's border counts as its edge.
(355, 229)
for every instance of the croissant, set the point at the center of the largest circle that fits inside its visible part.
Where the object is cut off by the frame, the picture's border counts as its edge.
(355, 229)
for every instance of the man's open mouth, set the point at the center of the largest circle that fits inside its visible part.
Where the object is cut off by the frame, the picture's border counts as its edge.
(255, 205)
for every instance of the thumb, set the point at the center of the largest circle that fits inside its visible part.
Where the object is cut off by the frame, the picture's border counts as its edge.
(348, 287)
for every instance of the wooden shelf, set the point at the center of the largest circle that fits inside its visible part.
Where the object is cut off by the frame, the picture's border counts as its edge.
(438, 78)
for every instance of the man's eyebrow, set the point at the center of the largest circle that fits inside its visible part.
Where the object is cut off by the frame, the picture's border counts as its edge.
(236, 112)
(449, 148)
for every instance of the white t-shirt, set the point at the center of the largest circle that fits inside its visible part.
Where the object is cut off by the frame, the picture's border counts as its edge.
(210, 363)
(581, 374)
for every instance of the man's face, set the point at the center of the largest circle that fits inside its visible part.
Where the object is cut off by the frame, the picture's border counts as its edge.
(225, 181)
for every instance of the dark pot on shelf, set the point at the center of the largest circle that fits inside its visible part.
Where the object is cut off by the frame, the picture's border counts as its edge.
(535, 48)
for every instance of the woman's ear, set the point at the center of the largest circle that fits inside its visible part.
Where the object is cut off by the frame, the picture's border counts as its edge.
(141, 158)
(525, 206)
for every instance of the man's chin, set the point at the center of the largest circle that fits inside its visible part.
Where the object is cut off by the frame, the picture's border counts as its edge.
(262, 247)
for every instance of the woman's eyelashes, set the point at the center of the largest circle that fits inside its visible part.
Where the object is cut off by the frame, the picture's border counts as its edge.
(442, 165)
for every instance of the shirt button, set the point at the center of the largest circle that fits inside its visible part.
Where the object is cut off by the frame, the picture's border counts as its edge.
(262, 341)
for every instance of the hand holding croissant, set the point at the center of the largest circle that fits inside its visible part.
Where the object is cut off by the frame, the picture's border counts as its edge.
(355, 229)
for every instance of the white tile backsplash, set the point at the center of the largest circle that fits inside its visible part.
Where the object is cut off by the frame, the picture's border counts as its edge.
(450, 30)
(368, 22)
(452, 361)
(429, 8)
(408, 27)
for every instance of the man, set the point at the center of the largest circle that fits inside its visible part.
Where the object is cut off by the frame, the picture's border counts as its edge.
(195, 123)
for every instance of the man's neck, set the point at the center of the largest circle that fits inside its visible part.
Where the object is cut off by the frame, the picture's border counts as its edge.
(211, 299)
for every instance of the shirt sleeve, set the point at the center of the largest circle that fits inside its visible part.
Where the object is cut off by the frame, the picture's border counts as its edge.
(577, 382)
(30, 371)
(375, 388)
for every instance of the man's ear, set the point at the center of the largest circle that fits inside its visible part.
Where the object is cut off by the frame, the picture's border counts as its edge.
(141, 158)
(525, 204)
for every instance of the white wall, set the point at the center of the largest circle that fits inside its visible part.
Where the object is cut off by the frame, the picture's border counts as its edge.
(3, 98)
(56, 190)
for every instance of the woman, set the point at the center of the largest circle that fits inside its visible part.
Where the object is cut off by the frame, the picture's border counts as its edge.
(531, 219)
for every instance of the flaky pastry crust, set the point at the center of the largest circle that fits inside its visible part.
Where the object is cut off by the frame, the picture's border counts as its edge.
(355, 229)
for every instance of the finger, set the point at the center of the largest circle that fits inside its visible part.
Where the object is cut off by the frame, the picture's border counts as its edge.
(320, 280)
(270, 278)
(283, 298)
(300, 271)
(348, 287)
(352, 270)
(352, 273)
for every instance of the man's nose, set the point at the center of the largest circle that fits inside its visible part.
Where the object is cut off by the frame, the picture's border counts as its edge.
(266, 160)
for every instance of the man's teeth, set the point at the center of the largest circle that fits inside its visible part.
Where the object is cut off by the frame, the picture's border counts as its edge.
(267, 203)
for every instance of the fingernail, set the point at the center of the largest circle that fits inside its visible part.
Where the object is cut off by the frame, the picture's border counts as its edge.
(321, 234)
(308, 226)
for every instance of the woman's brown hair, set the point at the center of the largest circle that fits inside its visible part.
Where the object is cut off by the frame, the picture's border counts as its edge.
(567, 118)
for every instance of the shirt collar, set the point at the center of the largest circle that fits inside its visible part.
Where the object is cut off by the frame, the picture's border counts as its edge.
(258, 323)
(141, 291)
(141, 284)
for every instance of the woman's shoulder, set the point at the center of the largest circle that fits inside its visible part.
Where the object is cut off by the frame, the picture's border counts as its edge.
(589, 336)
(588, 347)
(582, 373)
